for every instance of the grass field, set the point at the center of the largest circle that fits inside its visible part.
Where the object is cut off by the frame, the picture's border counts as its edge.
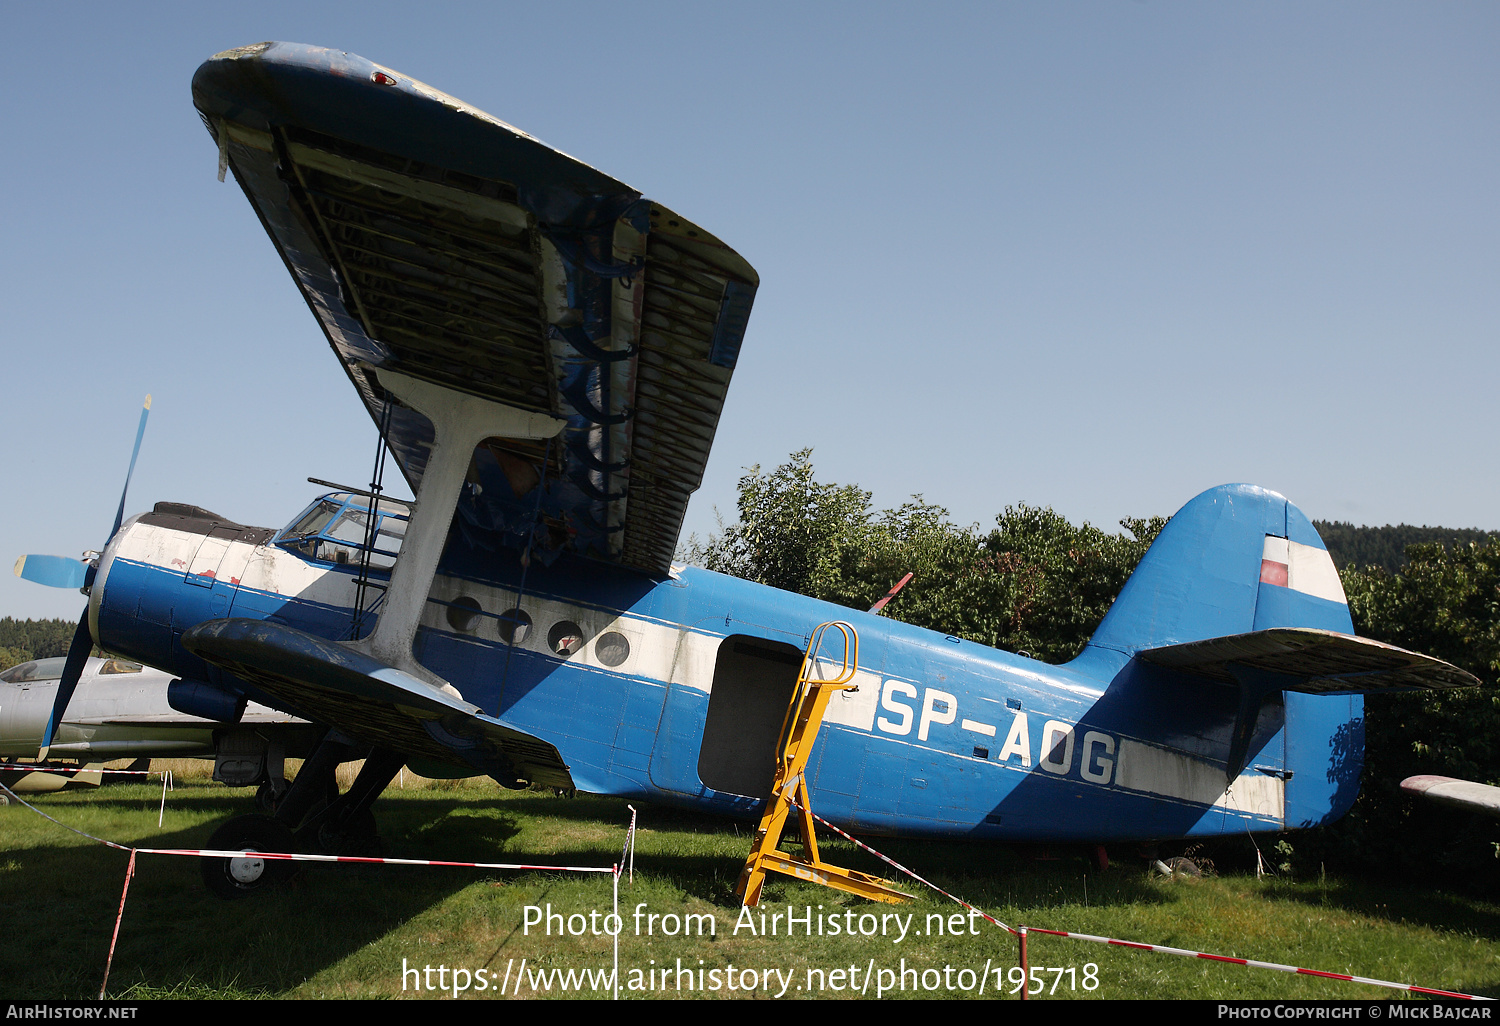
(348, 931)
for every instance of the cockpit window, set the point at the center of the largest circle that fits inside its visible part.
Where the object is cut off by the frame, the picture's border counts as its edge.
(119, 666)
(335, 527)
(37, 669)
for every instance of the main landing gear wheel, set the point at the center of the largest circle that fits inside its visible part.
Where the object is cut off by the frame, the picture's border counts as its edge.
(240, 877)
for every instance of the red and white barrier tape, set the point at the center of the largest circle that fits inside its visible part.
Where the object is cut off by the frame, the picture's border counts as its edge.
(892, 862)
(298, 857)
(1162, 949)
(8, 766)
(1158, 948)
(212, 853)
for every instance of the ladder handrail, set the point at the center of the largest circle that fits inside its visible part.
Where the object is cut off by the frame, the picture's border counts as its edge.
(805, 682)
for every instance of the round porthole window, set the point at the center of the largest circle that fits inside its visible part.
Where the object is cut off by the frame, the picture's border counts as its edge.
(612, 648)
(565, 637)
(514, 626)
(464, 613)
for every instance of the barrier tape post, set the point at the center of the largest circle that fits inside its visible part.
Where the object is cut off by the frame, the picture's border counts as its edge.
(166, 779)
(1025, 966)
(628, 855)
(619, 927)
(110, 961)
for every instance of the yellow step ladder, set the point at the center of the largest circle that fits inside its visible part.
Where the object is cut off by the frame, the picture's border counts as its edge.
(789, 790)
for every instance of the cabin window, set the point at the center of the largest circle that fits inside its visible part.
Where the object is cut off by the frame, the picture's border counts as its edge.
(565, 637)
(464, 613)
(39, 669)
(120, 666)
(514, 626)
(612, 648)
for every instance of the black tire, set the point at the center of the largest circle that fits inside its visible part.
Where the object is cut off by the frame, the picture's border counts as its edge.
(1181, 866)
(359, 837)
(268, 796)
(239, 878)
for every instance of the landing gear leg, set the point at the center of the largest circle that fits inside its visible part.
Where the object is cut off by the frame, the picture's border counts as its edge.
(346, 826)
(317, 782)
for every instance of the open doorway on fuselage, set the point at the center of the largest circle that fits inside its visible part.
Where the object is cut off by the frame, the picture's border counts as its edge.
(753, 684)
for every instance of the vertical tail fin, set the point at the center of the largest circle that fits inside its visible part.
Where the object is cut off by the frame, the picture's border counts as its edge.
(1233, 560)
(1238, 559)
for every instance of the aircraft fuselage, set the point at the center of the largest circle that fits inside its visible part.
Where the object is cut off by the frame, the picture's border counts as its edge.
(674, 690)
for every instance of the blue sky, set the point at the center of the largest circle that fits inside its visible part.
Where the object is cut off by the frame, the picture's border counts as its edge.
(1097, 256)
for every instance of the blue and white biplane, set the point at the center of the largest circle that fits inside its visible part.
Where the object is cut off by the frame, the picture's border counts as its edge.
(545, 354)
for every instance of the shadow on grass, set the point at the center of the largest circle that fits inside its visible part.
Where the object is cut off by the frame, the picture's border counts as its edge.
(178, 940)
(1435, 910)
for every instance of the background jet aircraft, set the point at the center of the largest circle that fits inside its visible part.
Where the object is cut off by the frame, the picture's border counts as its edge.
(545, 354)
(123, 710)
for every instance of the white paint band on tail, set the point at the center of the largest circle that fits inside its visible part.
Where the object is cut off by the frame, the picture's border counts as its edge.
(1304, 568)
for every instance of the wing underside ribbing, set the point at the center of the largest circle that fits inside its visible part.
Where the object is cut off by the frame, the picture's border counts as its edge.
(432, 239)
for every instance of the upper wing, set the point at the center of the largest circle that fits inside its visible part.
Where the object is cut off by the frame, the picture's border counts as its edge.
(430, 238)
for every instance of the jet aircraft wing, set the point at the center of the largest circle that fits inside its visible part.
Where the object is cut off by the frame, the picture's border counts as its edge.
(331, 683)
(430, 238)
(1311, 661)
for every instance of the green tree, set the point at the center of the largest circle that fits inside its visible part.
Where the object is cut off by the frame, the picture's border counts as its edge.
(1445, 602)
(1052, 582)
(42, 639)
(793, 533)
(1036, 583)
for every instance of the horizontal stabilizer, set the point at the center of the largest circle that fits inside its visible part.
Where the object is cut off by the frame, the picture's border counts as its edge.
(372, 702)
(1311, 661)
(1462, 794)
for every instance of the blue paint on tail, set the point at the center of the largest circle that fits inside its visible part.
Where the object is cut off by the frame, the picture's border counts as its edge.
(1202, 579)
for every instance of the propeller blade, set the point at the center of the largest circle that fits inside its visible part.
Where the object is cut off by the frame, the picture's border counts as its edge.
(78, 660)
(52, 571)
(140, 433)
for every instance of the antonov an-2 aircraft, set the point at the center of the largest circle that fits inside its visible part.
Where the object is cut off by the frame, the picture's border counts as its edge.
(545, 354)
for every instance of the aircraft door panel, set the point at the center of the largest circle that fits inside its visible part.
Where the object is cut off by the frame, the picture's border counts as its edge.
(753, 684)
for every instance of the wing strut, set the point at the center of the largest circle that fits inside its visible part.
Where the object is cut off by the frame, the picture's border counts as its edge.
(459, 423)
